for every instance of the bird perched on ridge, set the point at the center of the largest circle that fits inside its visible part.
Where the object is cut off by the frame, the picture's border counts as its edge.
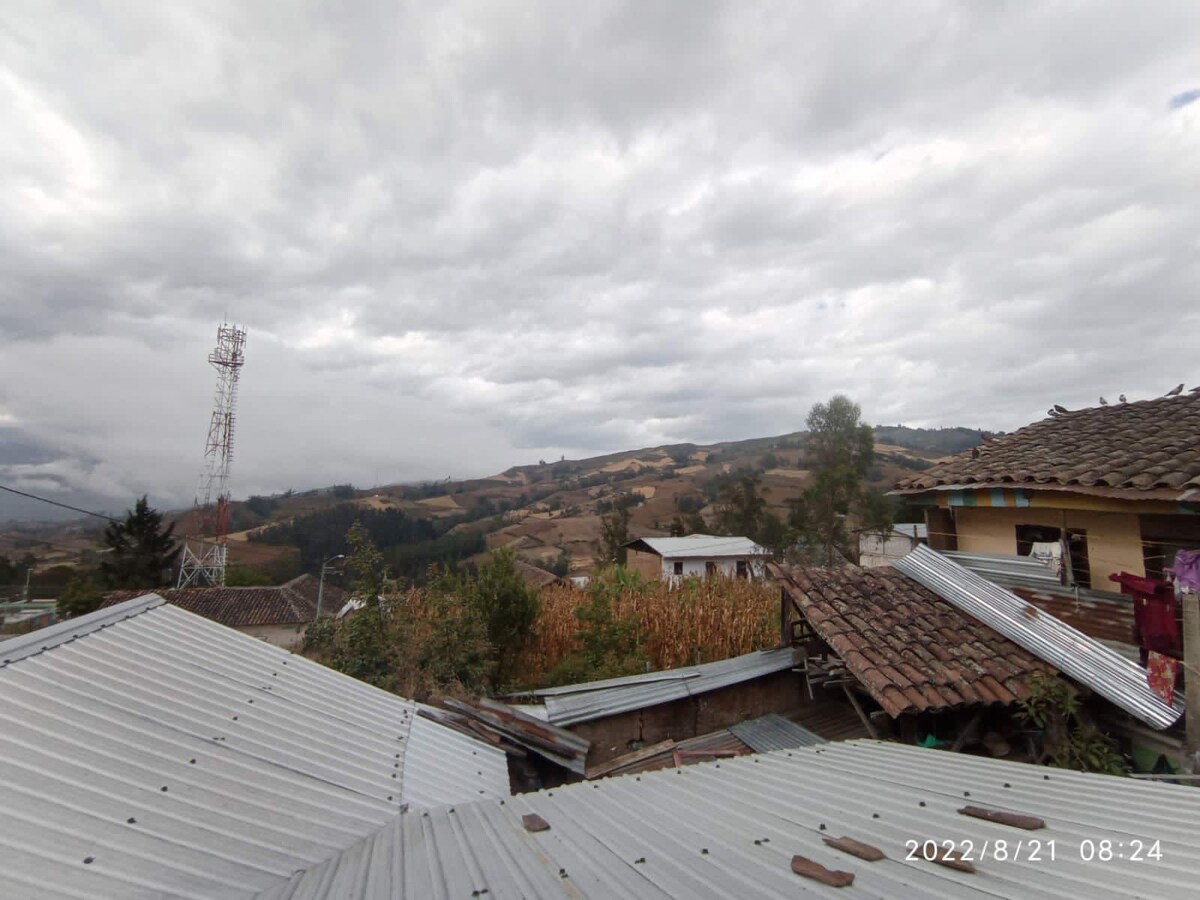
(1103, 402)
(1176, 392)
(1122, 398)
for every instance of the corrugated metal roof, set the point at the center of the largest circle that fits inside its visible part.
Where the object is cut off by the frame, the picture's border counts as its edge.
(148, 752)
(583, 702)
(1067, 649)
(1007, 571)
(730, 829)
(774, 732)
(701, 546)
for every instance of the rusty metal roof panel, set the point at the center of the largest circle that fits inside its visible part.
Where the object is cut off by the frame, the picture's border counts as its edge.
(148, 752)
(731, 828)
(1072, 652)
(774, 732)
(582, 703)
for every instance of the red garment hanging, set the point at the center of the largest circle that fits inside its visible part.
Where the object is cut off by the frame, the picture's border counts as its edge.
(1154, 612)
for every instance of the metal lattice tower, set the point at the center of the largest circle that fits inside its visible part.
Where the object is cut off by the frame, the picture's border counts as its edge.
(204, 549)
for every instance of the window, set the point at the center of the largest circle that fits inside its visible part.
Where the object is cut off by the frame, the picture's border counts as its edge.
(678, 567)
(710, 569)
(742, 569)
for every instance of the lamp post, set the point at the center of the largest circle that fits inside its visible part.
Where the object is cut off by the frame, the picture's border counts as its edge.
(321, 584)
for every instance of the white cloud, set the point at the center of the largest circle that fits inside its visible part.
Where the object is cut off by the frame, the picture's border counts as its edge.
(471, 235)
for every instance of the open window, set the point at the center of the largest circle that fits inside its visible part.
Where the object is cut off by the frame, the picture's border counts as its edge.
(710, 569)
(678, 567)
(743, 569)
(1043, 542)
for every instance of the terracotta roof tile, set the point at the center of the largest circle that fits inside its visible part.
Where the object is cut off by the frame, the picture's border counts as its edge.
(1133, 447)
(907, 646)
(293, 603)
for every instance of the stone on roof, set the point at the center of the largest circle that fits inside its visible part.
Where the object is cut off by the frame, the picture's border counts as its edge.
(292, 603)
(910, 649)
(1131, 448)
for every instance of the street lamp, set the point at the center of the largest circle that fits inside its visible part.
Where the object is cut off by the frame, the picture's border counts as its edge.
(321, 585)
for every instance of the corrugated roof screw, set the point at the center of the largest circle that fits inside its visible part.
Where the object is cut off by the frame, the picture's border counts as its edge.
(501, 802)
(758, 843)
(874, 815)
(718, 765)
(393, 774)
(131, 821)
(1045, 778)
(88, 860)
(235, 718)
(191, 762)
(1007, 785)
(249, 701)
(922, 803)
(481, 791)
(391, 797)
(562, 873)
(766, 840)
(639, 860)
(398, 755)
(966, 793)
(704, 851)
(164, 788)
(451, 809)
(638, 778)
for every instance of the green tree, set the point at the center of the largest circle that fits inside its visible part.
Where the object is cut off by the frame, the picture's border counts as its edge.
(141, 554)
(741, 507)
(81, 596)
(364, 564)
(610, 645)
(457, 656)
(839, 451)
(509, 607)
(246, 576)
(614, 534)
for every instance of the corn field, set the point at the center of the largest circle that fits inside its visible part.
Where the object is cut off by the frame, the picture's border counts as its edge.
(700, 621)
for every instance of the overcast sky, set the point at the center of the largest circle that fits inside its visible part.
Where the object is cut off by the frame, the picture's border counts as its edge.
(468, 235)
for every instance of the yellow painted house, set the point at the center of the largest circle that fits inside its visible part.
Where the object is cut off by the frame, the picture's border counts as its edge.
(1116, 487)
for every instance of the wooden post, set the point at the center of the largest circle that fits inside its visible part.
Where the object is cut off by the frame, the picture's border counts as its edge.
(1191, 661)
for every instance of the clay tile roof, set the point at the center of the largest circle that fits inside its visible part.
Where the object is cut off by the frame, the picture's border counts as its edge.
(1133, 448)
(946, 659)
(533, 576)
(293, 603)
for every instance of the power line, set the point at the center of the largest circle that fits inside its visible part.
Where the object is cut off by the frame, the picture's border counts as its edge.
(86, 512)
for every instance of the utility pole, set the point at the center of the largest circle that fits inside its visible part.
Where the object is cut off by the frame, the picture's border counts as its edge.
(1191, 675)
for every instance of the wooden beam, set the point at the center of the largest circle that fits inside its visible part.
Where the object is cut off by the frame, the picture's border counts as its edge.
(866, 720)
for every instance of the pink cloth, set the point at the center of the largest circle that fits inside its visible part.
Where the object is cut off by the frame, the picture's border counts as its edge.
(1187, 568)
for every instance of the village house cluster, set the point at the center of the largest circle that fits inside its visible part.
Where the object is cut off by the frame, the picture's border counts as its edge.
(171, 746)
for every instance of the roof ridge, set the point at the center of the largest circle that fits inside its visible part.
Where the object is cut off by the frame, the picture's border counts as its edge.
(18, 648)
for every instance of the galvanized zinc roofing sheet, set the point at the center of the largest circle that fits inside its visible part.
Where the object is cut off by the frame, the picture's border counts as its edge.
(583, 703)
(702, 546)
(774, 732)
(1008, 571)
(148, 752)
(1070, 651)
(730, 829)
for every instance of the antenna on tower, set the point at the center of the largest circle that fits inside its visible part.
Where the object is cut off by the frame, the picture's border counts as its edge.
(204, 548)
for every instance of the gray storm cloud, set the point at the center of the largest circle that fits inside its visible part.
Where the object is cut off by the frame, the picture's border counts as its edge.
(464, 236)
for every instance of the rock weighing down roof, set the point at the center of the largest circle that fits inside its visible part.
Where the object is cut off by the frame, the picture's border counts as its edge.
(292, 603)
(732, 828)
(148, 752)
(698, 546)
(1150, 448)
(911, 650)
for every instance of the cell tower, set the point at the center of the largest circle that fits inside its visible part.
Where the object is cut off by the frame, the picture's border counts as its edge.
(204, 548)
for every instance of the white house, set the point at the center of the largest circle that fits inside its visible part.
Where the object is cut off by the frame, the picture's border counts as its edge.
(703, 555)
(876, 549)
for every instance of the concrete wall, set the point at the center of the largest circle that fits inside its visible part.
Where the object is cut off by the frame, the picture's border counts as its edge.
(659, 568)
(874, 551)
(1113, 539)
(289, 637)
